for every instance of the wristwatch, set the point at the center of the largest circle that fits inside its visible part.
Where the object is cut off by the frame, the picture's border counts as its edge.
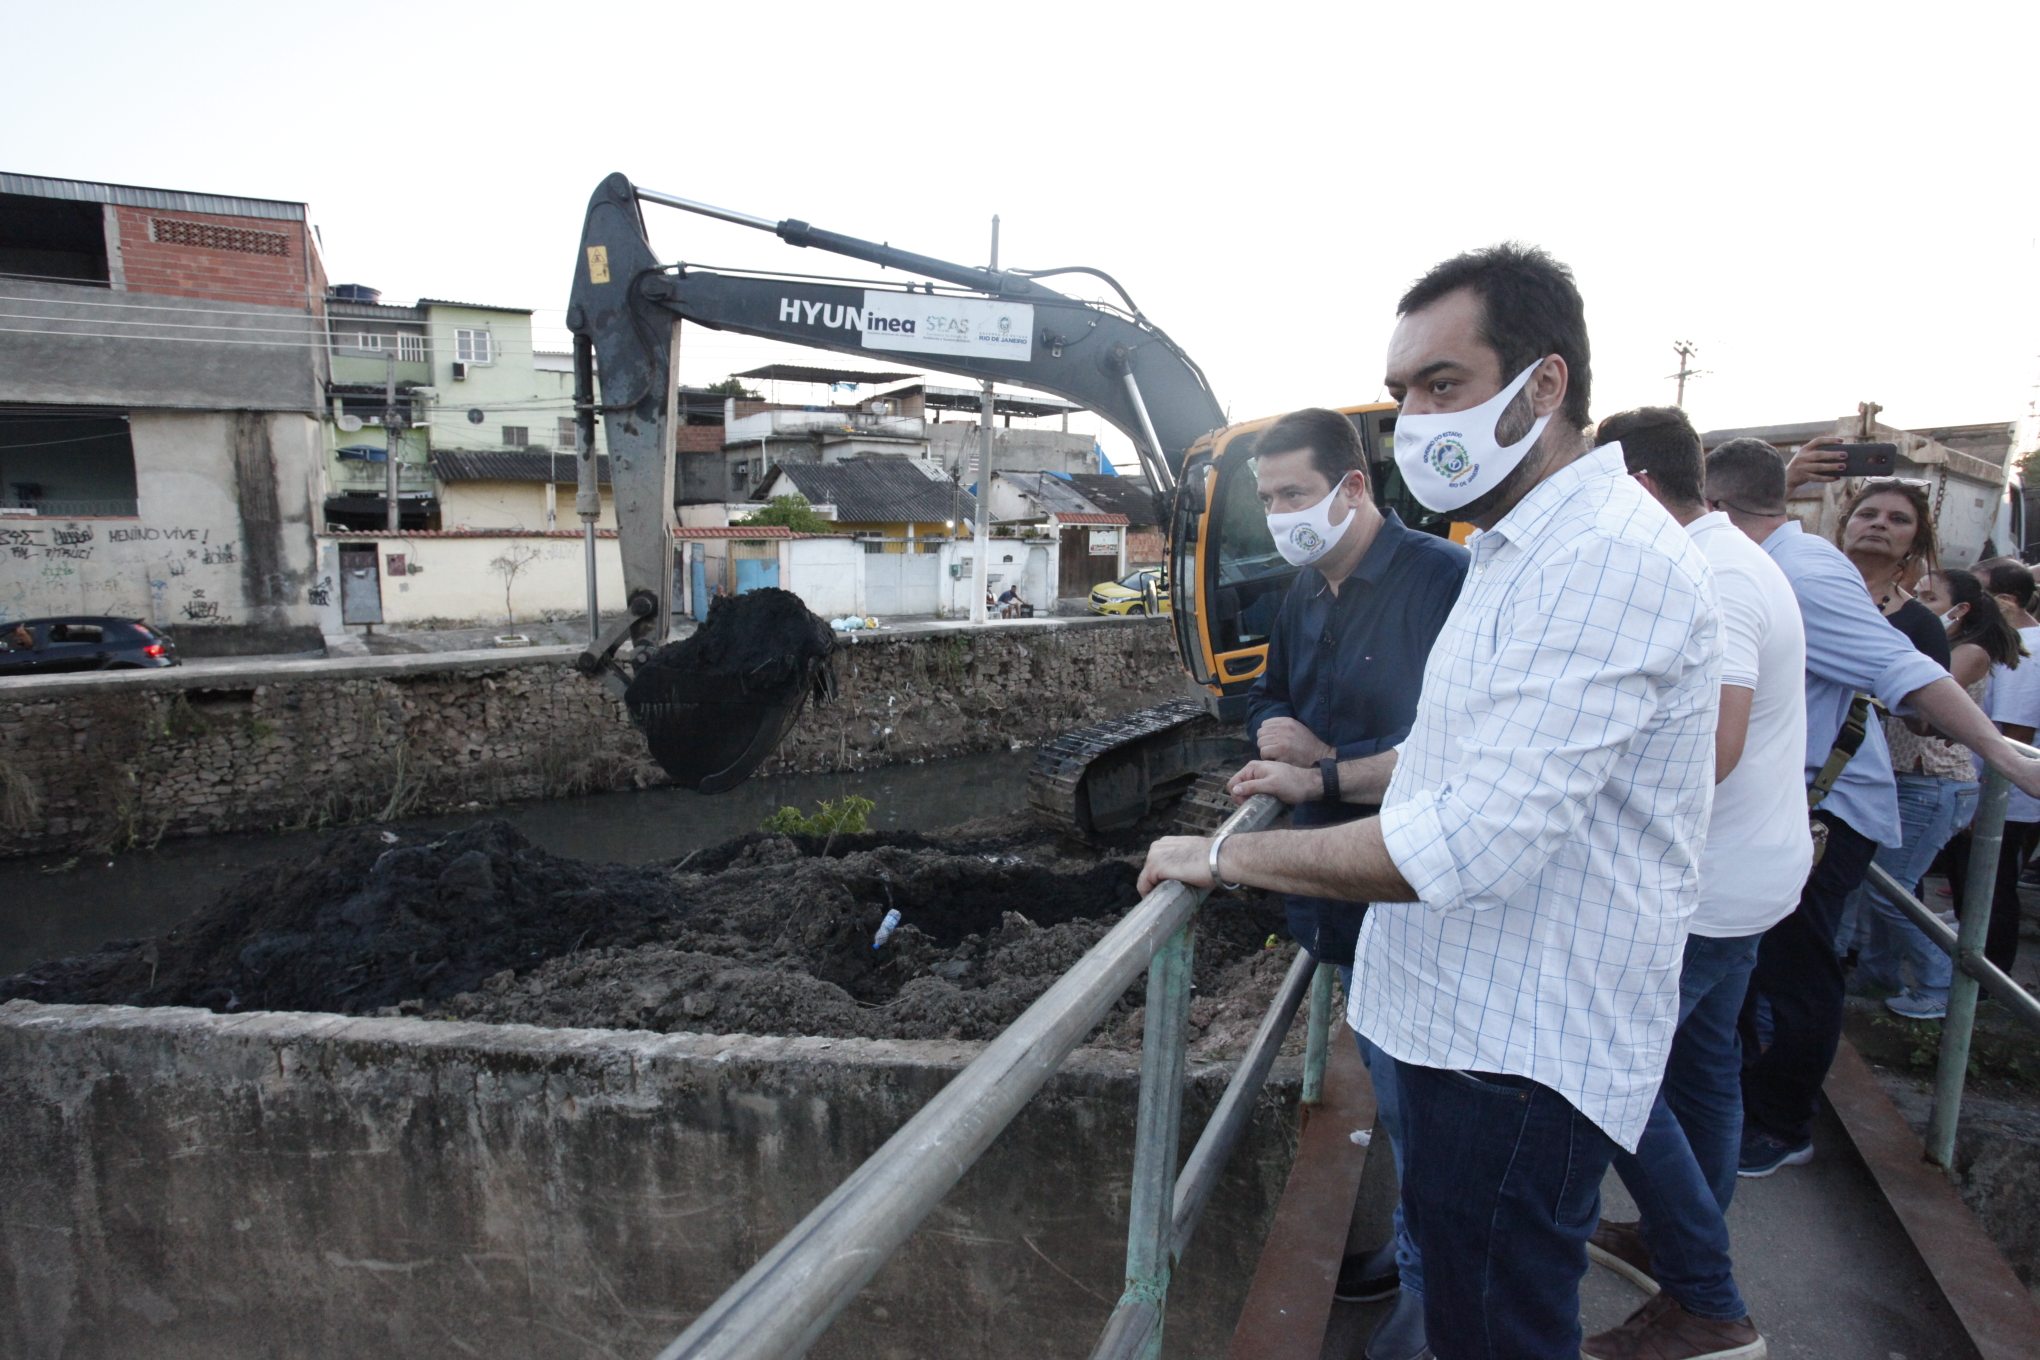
(1329, 768)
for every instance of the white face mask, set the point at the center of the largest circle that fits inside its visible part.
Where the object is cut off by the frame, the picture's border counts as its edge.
(1305, 536)
(1450, 458)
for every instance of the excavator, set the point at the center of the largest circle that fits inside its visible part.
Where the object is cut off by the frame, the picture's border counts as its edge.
(1226, 580)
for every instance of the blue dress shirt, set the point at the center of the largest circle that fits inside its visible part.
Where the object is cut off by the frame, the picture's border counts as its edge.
(1349, 666)
(1850, 646)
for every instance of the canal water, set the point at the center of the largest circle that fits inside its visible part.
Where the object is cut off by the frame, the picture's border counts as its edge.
(50, 908)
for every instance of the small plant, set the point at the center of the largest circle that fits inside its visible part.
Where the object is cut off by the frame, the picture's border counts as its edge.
(833, 817)
(508, 566)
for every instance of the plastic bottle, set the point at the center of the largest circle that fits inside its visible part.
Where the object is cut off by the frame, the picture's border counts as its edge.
(885, 928)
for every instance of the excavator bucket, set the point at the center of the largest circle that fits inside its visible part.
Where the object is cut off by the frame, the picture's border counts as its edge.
(714, 705)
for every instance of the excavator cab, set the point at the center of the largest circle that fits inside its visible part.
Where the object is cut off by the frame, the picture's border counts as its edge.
(1228, 580)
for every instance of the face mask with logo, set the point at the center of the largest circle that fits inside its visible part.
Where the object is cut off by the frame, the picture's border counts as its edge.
(1304, 536)
(1451, 458)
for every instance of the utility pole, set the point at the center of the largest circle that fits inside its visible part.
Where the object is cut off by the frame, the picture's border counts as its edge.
(981, 559)
(1685, 349)
(393, 437)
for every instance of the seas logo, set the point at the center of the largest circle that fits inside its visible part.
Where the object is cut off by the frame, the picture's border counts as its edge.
(1447, 457)
(1305, 539)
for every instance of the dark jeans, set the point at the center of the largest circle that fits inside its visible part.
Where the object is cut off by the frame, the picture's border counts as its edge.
(1503, 1189)
(1799, 980)
(1683, 1171)
(2001, 944)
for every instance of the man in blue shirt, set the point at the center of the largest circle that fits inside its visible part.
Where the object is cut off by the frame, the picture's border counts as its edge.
(1345, 665)
(1850, 647)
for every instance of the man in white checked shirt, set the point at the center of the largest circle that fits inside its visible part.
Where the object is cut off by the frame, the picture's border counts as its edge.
(1544, 819)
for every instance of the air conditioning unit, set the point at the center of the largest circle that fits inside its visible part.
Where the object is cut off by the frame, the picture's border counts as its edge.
(459, 371)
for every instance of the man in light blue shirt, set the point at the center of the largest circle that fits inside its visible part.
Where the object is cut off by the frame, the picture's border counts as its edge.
(1850, 647)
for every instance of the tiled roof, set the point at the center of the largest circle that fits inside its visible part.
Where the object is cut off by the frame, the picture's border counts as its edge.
(1074, 517)
(510, 465)
(743, 531)
(1067, 495)
(874, 490)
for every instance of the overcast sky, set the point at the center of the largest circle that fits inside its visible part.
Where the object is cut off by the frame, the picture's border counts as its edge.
(1834, 208)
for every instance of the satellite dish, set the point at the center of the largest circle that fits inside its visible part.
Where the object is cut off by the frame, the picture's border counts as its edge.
(347, 422)
(475, 416)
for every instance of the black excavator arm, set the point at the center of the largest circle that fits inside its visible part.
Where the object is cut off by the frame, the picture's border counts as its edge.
(1004, 325)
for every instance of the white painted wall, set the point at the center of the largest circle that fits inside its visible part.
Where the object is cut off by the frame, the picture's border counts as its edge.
(827, 574)
(456, 579)
(515, 505)
(180, 562)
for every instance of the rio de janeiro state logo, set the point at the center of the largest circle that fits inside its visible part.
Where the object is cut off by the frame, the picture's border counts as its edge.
(1448, 458)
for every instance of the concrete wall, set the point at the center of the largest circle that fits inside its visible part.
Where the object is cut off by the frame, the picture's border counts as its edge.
(181, 1184)
(953, 443)
(463, 579)
(121, 759)
(72, 356)
(827, 574)
(220, 555)
(518, 505)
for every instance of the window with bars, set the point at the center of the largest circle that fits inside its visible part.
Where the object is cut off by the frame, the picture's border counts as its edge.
(410, 348)
(474, 347)
(367, 341)
(517, 436)
(566, 432)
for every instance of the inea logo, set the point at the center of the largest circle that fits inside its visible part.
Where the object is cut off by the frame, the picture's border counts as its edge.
(1306, 539)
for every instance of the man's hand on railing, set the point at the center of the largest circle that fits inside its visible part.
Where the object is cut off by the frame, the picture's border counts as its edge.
(1182, 859)
(2023, 768)
(1287, 784)
(1289, 741)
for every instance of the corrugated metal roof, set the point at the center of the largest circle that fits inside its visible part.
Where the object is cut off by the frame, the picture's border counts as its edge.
(808, 373)
(1128, 496)
(509, 465)
(380, 311)
(134, 196)
(874, 491)
(472, 306)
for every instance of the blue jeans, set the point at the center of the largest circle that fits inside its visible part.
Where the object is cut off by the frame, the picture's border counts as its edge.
(1931, 811)
(1409, 1263)
(1503, 1189)
(1683, 1171)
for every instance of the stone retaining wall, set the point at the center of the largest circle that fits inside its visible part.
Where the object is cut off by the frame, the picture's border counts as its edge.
(182, 1184)
(117, 760)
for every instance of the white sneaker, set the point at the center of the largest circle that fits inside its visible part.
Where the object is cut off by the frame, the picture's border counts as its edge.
(1915, 1006)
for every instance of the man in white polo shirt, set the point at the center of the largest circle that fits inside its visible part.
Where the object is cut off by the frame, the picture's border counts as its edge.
(1755, 860)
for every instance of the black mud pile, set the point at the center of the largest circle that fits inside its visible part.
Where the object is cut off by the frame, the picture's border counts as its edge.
(713, 705)
(766, 935)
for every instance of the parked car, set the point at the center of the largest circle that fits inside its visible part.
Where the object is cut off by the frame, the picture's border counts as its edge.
(82, 643)
(1129, 594)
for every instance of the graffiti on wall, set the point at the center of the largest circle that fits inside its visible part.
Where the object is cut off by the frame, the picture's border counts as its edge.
(75, 567)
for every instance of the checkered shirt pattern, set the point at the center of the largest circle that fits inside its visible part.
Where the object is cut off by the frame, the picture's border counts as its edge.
(1551, 803)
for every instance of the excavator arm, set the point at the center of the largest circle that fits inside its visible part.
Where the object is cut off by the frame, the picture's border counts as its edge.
(1003, 325)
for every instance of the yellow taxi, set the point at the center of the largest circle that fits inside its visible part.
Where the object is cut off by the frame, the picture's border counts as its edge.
(1130, 594)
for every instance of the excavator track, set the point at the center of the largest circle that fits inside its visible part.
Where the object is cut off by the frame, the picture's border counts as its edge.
(1106, 777)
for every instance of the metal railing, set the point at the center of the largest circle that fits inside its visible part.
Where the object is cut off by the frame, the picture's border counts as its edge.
(1973, 972)
(785, 1302)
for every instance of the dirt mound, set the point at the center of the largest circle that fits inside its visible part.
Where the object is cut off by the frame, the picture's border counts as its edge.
(764, 935)
(713, 705)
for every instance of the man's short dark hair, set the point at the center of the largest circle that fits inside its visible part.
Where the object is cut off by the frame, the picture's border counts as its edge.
(1747, 475)
(1333, 442)
(1530, 307)
(2008, 576)
(1661, 441)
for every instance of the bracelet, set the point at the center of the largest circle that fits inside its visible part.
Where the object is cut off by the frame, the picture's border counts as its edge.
(1217, 878)
(1328, 769)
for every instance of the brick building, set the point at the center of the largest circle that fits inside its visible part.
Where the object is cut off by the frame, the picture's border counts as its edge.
(160, 395)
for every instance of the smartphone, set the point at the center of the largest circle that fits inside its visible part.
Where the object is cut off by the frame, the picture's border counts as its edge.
(1868, 460)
